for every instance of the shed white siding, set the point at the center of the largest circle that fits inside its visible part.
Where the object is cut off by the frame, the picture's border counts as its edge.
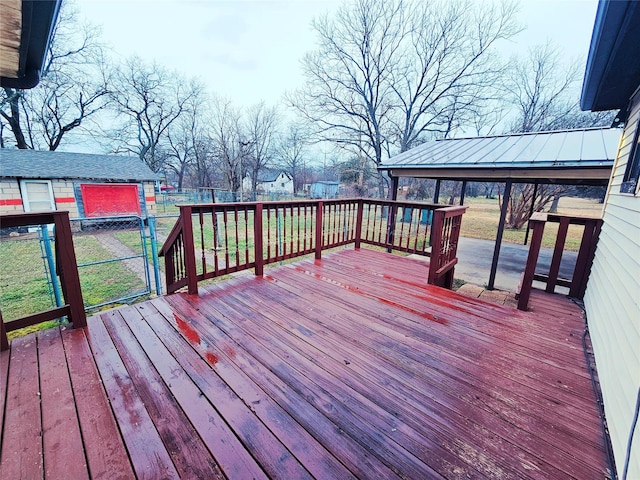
(612, 304)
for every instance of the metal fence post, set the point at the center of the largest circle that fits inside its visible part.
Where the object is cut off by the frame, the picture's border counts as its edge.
(154, 254)
(51, 264)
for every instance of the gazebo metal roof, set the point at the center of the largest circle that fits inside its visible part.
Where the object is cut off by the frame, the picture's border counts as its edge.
(582, 156)
(566, 156)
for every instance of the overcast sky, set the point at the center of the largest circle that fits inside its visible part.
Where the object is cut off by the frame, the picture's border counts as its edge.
(250, 50)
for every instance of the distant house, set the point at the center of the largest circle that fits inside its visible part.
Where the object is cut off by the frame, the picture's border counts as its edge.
(270, 181)
(86, 185)
(324, 189)
(612, 298)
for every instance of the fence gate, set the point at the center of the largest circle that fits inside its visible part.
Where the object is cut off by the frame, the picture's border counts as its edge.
(113, 256)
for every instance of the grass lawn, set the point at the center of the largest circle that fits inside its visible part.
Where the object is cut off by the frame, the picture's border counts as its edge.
(23, 283)
(482, 217)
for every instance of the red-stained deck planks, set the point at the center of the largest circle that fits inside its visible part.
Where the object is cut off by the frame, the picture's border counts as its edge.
(348, 367)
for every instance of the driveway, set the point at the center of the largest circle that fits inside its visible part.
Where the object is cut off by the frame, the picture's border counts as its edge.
(475, 256)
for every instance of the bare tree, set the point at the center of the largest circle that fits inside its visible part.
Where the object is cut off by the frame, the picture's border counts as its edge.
(544, 92)
(74, 87)
(387, 73)
(347, 98)
(445, 73)
(290, 153)
(185, 136)
(151, 98)
(541, 89)
(228, 143)
(260, 130)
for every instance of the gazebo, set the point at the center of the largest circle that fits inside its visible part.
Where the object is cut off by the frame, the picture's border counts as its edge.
(565, 157)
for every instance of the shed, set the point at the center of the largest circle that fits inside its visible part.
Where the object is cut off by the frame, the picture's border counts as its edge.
(581, 157)
(324, 189)
(86, 185)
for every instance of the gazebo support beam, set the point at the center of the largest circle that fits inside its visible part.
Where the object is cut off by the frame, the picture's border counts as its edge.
(394, 188)
(436, 193)
(533, 203)
(498, 244)
(463, 190)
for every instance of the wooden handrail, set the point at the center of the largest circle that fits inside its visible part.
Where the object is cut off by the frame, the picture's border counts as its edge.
(284, 230)
(577, 283)
(66, 266)
(444, 245)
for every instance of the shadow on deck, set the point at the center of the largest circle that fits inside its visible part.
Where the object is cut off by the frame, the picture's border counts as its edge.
(351, 366)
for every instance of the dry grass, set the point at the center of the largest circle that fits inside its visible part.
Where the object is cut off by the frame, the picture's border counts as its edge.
(482, 217)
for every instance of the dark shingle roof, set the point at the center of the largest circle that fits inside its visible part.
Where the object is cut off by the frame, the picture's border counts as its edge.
(46, 164)
(270, 175)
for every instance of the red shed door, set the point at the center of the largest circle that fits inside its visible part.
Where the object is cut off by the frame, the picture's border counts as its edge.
(110, 199)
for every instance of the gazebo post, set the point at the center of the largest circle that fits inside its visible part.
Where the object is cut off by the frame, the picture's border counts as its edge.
(463, 189)
(394, 188)
(436, 194)
(496, 249)
(533, 202)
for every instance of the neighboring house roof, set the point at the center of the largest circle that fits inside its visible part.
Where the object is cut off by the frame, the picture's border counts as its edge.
(46, 164)
(25, 32)
(270, 175)
(613, 64)
(575, 155)
(325, 182)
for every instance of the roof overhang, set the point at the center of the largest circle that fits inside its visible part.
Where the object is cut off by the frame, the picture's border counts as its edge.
(580, 156)
(613, 64)
(595, 176)
(26, 27)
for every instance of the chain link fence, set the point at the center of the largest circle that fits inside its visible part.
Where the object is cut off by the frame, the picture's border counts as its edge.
(116, 256)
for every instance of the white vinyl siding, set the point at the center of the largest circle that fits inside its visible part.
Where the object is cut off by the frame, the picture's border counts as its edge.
(612, 302)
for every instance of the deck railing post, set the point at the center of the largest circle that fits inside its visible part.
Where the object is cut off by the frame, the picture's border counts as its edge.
(319, 230)
(436, 244)
(4, 342)
(391, 226)
(257, 240)
(530, 270)
(585, 257)
(68, 269)
(189, 249)
(359, 215)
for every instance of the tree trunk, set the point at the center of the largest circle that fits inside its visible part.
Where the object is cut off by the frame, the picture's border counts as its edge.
(13, 97)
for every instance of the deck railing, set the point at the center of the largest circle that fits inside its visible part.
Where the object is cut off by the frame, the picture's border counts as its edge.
(578, 282)
(212, 240)
(66, 267)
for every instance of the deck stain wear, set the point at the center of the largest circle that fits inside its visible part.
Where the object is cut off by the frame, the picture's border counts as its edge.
(242, 403)
(22, 453)
(345, 367)
(64, 456)
(299, 316)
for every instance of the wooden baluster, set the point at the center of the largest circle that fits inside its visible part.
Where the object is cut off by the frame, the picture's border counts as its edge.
(257, 236)
(202, 242)
(554, 268)
(319, 214)
(246, 235)
(225, 219)
(532, 260)
(359, 214)
(237, 237)
(216, 239)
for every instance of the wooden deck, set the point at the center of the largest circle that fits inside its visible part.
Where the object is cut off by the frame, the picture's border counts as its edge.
(348, 367)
